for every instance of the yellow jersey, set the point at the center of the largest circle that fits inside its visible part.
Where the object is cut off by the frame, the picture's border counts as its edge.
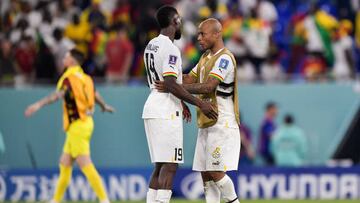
(79, 98)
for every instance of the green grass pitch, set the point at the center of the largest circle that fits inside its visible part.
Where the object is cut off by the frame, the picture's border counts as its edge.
(270, 201)
(243, 201)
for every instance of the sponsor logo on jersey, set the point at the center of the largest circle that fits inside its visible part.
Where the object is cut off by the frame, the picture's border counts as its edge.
(216, 163)
(172, 59)
(223, 64)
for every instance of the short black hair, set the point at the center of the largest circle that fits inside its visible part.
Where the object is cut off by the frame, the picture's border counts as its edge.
(270, 105)
(288, 119)
(164, 15)
(78, 56)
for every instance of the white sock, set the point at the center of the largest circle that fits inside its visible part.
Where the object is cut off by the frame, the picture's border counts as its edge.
(163, 196)
(227, 189)
(53, 201)
(105, 201)
(151, 196)
(212, 192)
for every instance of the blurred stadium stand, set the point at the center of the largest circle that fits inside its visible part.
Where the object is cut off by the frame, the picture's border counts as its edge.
(34, 35)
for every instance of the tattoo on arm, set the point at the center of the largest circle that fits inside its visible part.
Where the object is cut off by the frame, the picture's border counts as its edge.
(189, 79)
(203, 88)
(51, 98)
(178, 90)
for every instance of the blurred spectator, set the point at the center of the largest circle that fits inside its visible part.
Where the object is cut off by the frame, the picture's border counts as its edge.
(212, 8)
(10, 9)
(314, 43)
(31, 15)
(119, 54)
(79, 33)
(247, 152)
(97, 56)
(314, 67)
(122, 12)
(297, 43)
(232, 31)
(21, 30)
(327, 25)
(245, 70)
(308, 40)
(63, 10)
(266, 9)
(47, 27)
(108, 6)
(257, 37)
(288, 145)
(59, 48)
(271, 71)
(45, 70)
(319, 27)
(189, 9)
(95, 16)
(267, 130)
(7, 62)
(236, 45)
(342, 45)
(99, 21)
(25, 54)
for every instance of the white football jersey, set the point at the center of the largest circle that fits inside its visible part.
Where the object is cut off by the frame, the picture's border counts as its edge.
(224, 71)
(162, 58)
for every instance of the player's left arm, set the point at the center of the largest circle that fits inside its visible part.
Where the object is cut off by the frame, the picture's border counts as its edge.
(191, 77)
(103, 105)
(221, 69)
(203, 88)
(51, 98)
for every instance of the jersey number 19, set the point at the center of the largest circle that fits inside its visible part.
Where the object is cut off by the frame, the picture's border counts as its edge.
(150, 68)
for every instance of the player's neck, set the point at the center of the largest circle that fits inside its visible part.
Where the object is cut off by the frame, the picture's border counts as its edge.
(217, 47)
(169, 33)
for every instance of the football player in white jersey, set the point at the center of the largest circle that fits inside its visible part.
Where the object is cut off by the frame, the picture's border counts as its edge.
(218, 146)
(162, 112)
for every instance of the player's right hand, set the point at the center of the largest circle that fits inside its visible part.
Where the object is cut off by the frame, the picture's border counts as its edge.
(30, 110)
(159, 85)
(186, 112)
(108, 108)
(208, 110)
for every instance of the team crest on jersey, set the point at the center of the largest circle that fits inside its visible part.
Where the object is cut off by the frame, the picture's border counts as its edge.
(172, 59)
(223, 64)
(216, 153)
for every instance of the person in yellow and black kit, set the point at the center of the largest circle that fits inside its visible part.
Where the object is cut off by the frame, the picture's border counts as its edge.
(77, 90)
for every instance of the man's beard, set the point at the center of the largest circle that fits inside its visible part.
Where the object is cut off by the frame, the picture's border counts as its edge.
(177, 34)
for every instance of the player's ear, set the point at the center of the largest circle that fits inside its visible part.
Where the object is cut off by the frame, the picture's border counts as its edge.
(177, 21)
(218, 34)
